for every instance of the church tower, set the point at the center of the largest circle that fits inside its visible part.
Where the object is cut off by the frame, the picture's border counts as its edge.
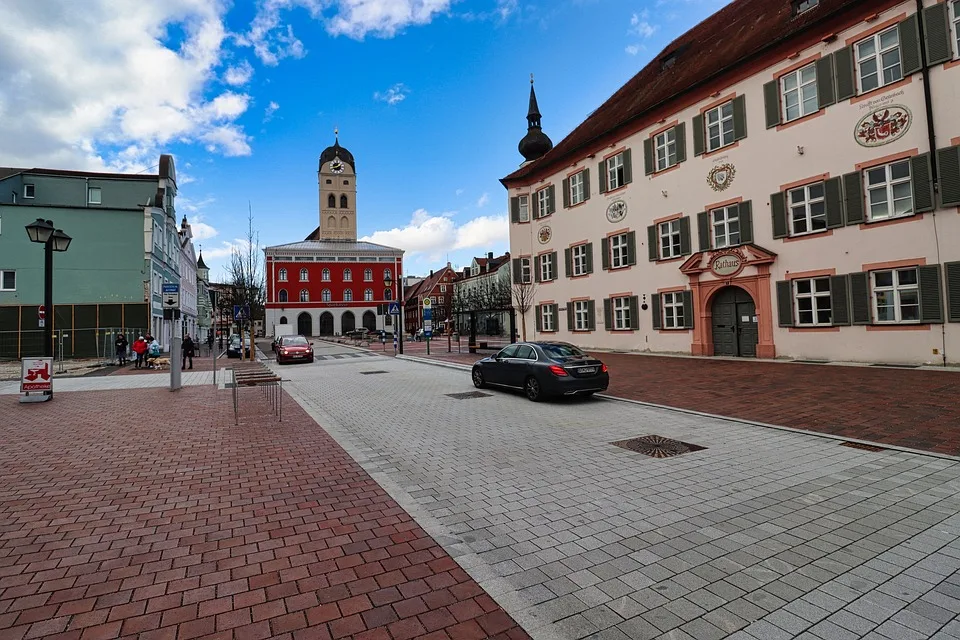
(337, 181)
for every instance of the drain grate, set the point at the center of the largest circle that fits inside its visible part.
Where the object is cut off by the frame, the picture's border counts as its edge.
(657, 446)
(466, 395)
(370, 373)
(861, 446)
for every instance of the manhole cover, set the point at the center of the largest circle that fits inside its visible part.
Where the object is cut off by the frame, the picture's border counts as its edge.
(861, 446)
(468, 394)
(657, 446)
(370, 373)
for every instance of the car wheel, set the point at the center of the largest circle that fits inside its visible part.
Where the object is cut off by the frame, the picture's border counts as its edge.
(478, 380)
(532, 388)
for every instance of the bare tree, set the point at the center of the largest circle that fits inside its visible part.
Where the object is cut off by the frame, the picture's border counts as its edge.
(524, 295)
(245, 273)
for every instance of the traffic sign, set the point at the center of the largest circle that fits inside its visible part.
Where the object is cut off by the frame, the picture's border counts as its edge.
(41, 316)
(428, 314)
(427, 328)
(171, 295)
(426, 303)
(394, 308)
(241, 312)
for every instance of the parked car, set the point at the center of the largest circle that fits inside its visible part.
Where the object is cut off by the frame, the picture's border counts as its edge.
(294, 349)
(236, 346)
(542, 369)
(358, 334)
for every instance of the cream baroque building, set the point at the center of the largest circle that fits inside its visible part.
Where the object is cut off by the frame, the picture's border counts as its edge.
(781, 181)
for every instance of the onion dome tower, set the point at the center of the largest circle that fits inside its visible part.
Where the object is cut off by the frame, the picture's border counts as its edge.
(536, 143)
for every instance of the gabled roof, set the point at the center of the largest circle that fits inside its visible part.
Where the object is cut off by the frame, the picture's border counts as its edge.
(739, 31)
(427, 285)
(334, 246)
(6, 172)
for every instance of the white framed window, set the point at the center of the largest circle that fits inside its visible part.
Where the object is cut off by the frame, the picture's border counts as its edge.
(525, 274)
(282, 295)
(618, 251)
(387, 273)
(282, 275)
(621, 313)
(799, 93)
(548, 270)
(616, 176)
(368, 275)
(812, 296)
(348, 295)
(347, 275)
(325, 275)
(304, 275)
(304, 295)
(94, 195)
(548, 322)
(8, 280)
(955, 21)
(889, 191)
(896, 296)
(29, 191)
(878, 60)
(579, 255)
(439, 299)
(524, 206)
(726, 227)
(367, 295)
(666, 148)
(581, 315)
(672, 305)
(325, 295)
(543, 202)
(669, 233)
(443, 288)
(576, 188)
(808, 209)
(719, 124)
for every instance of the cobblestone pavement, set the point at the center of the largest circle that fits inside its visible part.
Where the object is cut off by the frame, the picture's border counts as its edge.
(145, 514)
(763, 535)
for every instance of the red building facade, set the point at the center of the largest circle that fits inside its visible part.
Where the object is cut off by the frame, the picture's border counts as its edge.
(438, 286)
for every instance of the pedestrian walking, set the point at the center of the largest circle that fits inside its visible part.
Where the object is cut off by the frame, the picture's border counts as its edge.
(139, 348)
(153, 351)
(121, 345)
(187, 347)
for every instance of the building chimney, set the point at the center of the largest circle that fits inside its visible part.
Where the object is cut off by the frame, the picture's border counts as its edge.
(490, 255)
(431, 273)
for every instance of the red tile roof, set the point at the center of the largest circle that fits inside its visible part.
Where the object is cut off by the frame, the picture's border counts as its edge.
(741, 30)
(425, 286)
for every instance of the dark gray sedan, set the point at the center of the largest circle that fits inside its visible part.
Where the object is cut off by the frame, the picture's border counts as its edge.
(542, 369)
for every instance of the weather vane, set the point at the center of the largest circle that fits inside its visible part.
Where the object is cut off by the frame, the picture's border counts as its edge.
(531, 78)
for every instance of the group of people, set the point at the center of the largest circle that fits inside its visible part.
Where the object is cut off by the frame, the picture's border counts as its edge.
(146, 350)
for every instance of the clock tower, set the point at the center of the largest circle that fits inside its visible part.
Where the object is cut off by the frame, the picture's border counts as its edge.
(337, 181)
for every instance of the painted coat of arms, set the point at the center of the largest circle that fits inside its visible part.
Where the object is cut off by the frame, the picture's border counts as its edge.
(721, 176)
(883, 126)
(544, 235)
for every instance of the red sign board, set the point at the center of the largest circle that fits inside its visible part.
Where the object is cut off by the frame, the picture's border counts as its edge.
(41, 312)
(36, 374)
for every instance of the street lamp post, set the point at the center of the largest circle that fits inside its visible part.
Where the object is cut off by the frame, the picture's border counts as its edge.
(398, 325)
(43, 232)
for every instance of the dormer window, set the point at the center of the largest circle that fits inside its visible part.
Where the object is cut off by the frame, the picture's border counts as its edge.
(800, 6)
(670, 59)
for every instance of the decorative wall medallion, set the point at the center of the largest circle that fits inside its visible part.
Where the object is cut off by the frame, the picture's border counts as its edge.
(721, 176)
(616, 211)
(727, 264)
(883, 126)
(544, 235)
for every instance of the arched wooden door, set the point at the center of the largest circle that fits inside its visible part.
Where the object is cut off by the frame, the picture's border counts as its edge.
(734, 323)
(305, 324)
(348, 322)
(370, 320)
(326, 324)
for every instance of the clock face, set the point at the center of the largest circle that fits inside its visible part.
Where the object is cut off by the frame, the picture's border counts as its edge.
(336, 166)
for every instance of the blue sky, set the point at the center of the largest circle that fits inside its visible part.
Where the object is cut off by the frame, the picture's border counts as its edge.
(429, 95)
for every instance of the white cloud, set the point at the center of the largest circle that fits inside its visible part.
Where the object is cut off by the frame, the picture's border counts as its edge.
(640, 26)
(238, 75)
(226, 248)
(394, 95)
(482, 202)
(459, 192)
(201, 230)
(482, 232)
(103, 84)
(270, 110)
(633, 49)
(434, 235)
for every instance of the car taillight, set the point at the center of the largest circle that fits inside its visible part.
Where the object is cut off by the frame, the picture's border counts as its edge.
(557, 370)
(603, 368)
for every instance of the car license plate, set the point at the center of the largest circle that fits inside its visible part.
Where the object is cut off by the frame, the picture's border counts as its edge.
(588, 369)
(298, 355)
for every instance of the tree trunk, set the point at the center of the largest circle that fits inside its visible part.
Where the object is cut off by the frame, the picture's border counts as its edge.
(523, 326)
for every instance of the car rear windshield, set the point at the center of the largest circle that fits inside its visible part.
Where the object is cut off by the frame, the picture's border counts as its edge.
(561, 350)
(296, 341)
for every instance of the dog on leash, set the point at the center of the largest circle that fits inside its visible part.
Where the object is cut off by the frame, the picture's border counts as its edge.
(160, 363)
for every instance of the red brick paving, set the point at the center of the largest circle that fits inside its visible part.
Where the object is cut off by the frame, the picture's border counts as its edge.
(145, 514)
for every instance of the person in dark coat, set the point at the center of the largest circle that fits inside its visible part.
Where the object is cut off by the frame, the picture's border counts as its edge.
(187, 347)
(121, 345)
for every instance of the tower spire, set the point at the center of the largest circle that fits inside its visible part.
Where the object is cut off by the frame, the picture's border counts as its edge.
(536, 143)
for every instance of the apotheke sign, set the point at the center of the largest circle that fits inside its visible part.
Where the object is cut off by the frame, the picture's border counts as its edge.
(726, 264)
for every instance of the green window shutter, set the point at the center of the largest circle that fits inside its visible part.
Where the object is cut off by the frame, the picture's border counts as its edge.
(627, 167)
(910, 55)
(853, 197)
(699, 143)
(688, 309)
(555, 311)
(740, 117)
(539, 318)
(785, 303)
(591, 315)
(953, 290)
(515, 209)
(571, 326)
(948, 161)
(552, 199)
(602, 174)
(845, 74)
(745, 215)
(568, 262)
(839, 300)
(632, 248)
(517, 273)
(860, 298)
(605, 253)
(680, 131)
(685, 236)
(536, 268)
(936, 28)
(589, 246)
(655, 307)
(771, 103)
(833, 190)
(652, 239)
(931, 298)
(778, 211)
(648, 166)
(586, 184)
(922, 174)
(826, 88)
(608, 314)
(566, 193)
(556, 265)
(703, 229)
(634, 313)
